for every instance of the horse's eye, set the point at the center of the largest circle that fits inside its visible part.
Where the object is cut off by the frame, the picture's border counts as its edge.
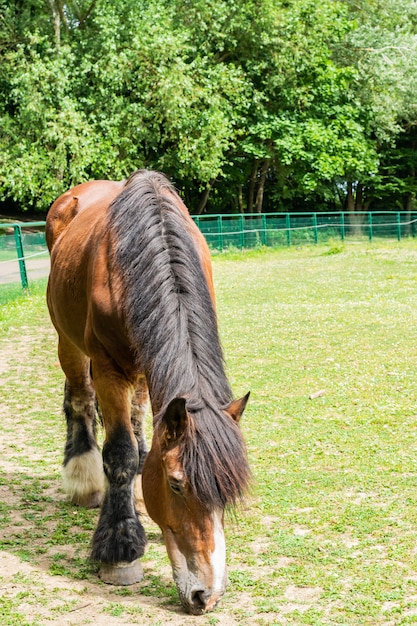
(176, 487)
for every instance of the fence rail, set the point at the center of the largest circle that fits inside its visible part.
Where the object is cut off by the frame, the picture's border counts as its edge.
(23, 252)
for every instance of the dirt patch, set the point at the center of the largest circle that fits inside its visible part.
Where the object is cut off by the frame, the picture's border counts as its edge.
(35, 268)
(77, 603)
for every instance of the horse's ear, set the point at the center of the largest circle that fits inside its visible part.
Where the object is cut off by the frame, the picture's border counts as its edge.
(236, 407)
(175, 419)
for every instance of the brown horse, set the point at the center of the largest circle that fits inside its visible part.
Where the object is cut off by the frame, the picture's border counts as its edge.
(131, 295)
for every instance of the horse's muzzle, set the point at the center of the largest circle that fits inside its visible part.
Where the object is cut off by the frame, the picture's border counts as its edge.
(199, 601)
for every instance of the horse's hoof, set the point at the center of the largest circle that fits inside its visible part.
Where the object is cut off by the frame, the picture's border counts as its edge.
(122, 573)
(89, 500)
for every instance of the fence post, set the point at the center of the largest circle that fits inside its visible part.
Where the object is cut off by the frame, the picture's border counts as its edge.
(263, 236)
(288, 227)
(21, 255)
(342, 226)
(220, 231)
(399, 226)
(316, 232)
(370, 226)
(242, 231)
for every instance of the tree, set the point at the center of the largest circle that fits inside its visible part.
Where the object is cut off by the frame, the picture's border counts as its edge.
(300, 125)
(102, 98)
(247, 105)
(383, 47)
(46, 139)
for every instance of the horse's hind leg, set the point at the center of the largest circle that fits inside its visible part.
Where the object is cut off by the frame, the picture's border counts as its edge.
(139, 409)
(83, 466)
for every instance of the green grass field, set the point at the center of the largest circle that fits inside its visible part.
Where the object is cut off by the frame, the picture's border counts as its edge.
(328, 534)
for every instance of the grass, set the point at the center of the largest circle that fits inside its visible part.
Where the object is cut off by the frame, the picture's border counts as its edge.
(328, 534)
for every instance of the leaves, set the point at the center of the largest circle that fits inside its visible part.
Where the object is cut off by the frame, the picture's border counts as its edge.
(209, 91)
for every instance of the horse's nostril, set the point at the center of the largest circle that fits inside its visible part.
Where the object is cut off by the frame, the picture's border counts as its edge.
(198, 599)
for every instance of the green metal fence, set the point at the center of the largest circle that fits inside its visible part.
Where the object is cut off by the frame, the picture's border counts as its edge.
(23, 252)
(280, 229)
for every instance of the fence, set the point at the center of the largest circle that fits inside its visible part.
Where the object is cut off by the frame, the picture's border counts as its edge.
(23, 251)
(279, 229)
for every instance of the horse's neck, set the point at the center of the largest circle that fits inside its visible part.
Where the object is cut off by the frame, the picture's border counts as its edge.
(200, 384)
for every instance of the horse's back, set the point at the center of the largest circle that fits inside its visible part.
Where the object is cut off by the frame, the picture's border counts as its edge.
(86, 285)
(96, 194)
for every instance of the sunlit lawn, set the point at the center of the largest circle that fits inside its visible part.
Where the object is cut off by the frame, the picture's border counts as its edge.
(329, 532)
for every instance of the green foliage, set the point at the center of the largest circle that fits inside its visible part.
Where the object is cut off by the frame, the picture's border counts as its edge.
(46, 140)
(248, 103)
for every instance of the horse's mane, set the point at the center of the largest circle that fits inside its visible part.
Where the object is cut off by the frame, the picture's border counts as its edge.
(171, 320)
(173, 328)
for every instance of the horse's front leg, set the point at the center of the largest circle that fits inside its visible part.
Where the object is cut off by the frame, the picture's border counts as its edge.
(119, 540)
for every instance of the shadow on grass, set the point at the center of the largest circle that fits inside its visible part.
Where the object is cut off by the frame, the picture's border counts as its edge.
(41, 528)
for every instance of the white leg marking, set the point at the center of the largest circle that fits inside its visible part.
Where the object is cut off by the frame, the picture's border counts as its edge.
(218, 556)
(138, 494)
(83, 476)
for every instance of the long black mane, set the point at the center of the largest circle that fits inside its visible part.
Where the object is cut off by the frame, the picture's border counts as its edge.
(173, 328)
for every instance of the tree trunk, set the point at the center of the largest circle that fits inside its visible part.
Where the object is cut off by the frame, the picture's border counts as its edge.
(204, 198)
(350, 201)
(240, 198)
(261, 186)
(56, 17)
(251, 187)
(410, 199)
(355, 217)
(359, 197)
(408, 207)
(409, 204)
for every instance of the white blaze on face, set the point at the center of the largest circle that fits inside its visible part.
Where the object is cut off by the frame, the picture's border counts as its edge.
(218, 556)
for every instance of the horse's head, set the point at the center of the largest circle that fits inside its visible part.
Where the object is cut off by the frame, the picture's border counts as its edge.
(195, 468)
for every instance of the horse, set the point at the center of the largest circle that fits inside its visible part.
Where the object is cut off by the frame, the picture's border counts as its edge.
(131, 296)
